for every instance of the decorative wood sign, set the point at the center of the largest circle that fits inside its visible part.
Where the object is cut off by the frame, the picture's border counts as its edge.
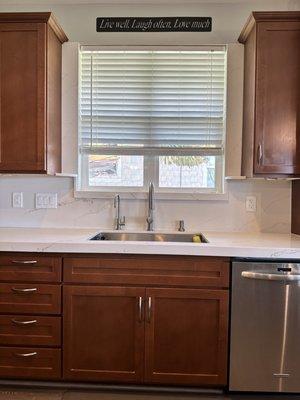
(154, 24)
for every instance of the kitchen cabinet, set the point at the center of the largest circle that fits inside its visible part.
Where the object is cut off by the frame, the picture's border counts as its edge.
(186, 336)
(30, 316)
(122, 318)
(296, 207)
(103, 333)
(271, 128)
(172, 333)
(30, 94)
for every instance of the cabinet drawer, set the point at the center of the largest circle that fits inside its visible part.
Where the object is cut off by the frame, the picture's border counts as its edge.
(148, 270)
(31, 330)
(30, 267)
(30, 362)
(30, 298)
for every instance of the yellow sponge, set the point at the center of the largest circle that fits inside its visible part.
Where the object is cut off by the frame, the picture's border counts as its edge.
(196, 239)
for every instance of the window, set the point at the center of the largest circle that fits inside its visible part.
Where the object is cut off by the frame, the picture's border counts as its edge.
(152, 115)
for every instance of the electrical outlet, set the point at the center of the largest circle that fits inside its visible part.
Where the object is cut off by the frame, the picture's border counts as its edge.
(46, 200)
(17, 200)
(251, 203)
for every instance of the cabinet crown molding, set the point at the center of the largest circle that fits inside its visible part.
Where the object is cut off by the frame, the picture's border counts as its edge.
(35, 17)
(264, 16)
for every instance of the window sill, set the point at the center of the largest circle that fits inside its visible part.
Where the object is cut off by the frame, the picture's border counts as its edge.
(196, 196)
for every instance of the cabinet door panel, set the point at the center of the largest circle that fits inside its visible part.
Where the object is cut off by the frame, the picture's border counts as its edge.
(22, 97)
(103, 333)
(186, 336)
(277, 131)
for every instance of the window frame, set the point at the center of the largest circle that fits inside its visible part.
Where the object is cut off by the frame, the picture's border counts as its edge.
(151, 163)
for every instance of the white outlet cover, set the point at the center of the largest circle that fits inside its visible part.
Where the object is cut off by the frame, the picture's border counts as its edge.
(251, 203)
(46, 200)
(17, 200)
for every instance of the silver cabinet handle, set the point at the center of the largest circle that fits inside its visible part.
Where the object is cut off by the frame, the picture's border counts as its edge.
(26, 354)
(281, 375)
(24, 261)
(259, 153)
(140, 309)
(270, 277)
(16, 322)
(149, 309)
(27, 290)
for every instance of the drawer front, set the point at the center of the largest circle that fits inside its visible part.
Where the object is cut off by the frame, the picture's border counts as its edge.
(30, 298)
(148, 270)
(30, 362)
(30, 268)
(30, 330)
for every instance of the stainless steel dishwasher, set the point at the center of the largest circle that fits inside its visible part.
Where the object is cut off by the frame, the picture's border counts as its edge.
(265, 327)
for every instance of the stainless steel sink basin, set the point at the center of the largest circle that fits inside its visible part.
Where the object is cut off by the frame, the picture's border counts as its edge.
(149, 237)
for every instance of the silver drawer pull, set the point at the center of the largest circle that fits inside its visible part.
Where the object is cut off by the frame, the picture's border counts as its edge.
(26, 354)
(281, 375)
(24, 261)
(27, 290)
(32, 322)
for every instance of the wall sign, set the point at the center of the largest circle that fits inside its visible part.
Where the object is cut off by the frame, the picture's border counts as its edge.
(154, 24)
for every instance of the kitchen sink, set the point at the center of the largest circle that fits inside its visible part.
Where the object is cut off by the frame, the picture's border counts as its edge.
(149, 237)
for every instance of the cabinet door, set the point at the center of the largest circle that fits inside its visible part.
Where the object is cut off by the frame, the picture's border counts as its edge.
(277, 131)
(186, 336)
(22, 97)
(103, 333)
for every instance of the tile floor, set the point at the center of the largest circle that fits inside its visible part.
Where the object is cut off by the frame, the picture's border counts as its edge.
(24, 394)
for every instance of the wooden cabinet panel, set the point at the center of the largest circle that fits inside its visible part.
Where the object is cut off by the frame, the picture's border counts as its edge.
(30, 330)
(148, 270)
(30, 362)
(30, 268)
(296, 207)
(103, 333)
(30, 298)
(22, 97)
(30, 93)
(186, 336)
(278, 98)
(271, 128)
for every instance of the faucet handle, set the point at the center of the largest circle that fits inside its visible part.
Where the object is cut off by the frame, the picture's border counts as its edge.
(122, 221)
(181, 226)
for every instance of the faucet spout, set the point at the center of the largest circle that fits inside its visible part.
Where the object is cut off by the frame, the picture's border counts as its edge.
(150, 217)
(120, 221)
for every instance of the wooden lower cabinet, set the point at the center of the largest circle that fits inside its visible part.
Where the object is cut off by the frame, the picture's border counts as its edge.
(103, 333)
(156, 335)
(30, 363)
(186, 336)
(136, 319)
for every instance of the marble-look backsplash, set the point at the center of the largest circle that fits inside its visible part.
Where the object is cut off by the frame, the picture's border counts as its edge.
(273, 208)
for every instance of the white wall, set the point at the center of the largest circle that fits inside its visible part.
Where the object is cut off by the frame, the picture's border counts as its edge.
(273, 213)
(79, 21)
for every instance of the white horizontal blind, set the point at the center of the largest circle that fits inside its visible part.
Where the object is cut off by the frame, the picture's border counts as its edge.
(157, 101)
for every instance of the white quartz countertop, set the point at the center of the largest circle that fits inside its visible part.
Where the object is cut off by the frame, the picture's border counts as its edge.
(227, 244)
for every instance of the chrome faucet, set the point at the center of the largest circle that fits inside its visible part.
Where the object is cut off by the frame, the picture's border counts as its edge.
(120, 221)
(150, 217)
(181, 227)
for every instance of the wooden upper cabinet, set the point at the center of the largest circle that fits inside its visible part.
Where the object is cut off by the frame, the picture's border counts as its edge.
(271, 128)
(30, 93)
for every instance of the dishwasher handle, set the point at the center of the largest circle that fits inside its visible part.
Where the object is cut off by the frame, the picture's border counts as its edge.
(271, 277)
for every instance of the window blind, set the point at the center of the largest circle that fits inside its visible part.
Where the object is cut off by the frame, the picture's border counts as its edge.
(157, 101)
